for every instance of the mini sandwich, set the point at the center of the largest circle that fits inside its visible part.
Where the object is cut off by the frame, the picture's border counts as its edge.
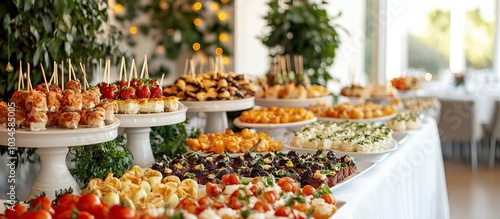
(129, 106)
(143, 105)
(68, 120)
(37, 121)
(20, 119)
(83, 116)
(155, 105)
(95, 117)
(90, 99)
(110, 108)
(52, 119)
(4, 114)
(54, 101)
(171, 103)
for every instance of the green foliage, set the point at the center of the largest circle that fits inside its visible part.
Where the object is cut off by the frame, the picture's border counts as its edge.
(170, 140)
(170, 24)
(303, 28)
(96, 161)
(54, 30)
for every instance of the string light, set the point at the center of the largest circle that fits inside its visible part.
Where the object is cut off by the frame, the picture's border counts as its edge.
(133, 30)
(428, 76)
(223, 37)
(118, 8)
(197, 21)
(196, 46)
(170, 31)
(197, 6)
(218, 51)
(224, 1)
(215, 6)
(160, 49)
(222, 16)
(163, 5)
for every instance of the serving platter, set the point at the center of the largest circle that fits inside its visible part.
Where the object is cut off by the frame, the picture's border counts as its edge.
(293, 103)
(376, 119)
(361, 168)
(206, 154)
(359, 156)
(276, 131)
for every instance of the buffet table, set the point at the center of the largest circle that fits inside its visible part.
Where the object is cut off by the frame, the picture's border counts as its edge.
(409, 183)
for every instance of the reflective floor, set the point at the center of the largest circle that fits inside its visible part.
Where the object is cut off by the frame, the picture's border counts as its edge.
(473, 195)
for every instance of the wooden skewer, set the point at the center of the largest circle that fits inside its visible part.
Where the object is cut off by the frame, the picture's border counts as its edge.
(69, 69)
(62, 76)
(144, 67)
(20, 77)
(121, 69)
(109, 70)
(53, 73)
(288, 63)
(85, 83)
(29, 78)
(161, 81)
(56, 72)
(44, 78)
(100, 73)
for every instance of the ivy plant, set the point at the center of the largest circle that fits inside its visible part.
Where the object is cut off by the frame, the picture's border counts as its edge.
(170, 140)
(53, 30)
(303, 27)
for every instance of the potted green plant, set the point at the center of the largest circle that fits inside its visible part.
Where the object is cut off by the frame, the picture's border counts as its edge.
(303, 27)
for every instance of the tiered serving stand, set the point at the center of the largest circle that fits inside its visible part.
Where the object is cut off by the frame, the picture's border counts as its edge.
(52, 147)
(138, 126)
(216, 111)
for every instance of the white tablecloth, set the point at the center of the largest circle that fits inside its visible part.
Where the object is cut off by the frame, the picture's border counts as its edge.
(408, 183)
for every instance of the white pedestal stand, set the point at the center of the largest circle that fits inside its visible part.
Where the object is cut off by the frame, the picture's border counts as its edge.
(216, 111)
(295, 103)
(52, 147)
(137, 128)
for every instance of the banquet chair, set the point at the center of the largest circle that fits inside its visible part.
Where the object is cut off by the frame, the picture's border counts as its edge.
(494, 133)
(457, 124)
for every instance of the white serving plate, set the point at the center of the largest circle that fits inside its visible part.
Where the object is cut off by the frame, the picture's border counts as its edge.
(376, 119)
(399, 136)
(361, 167)
(370, 157)
(153, 119)
(219, 105)
(299, 103)
(275, 131)
(206, 154)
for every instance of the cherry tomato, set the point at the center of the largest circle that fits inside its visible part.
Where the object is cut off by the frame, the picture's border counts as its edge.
(41, 202)
(100, 211)
(66, 198)
(212, 190)
(143, 91)
(147, 216)
(85, 215)
(15, 211)
(188, 204)
(127, 93)
(299, 214)
(120, 212)
(88, 202)
(261, 207)
(232, 179)
(204, 202)
(329, 199)
(40, 214)
(308, 190)
(64, 207)
(255, 188)
(65, 215)
(282, 211)
(271, 196)
(287, 184)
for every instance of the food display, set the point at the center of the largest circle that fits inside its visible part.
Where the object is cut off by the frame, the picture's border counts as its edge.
(283, 82)
(344, 136)
(142, 190)
(239, 142)
(261, 197)
(308, 169)
(275, 115)
(207, 86)
(369, 91)
(405, 122)
(48, 105)
(358, 111)
(419, 105)
(406, 83)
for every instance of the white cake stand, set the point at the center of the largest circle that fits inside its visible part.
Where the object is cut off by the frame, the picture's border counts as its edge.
(138, 126)
(275, 131)
(216, 111)
(295, 103)
(52, 147)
